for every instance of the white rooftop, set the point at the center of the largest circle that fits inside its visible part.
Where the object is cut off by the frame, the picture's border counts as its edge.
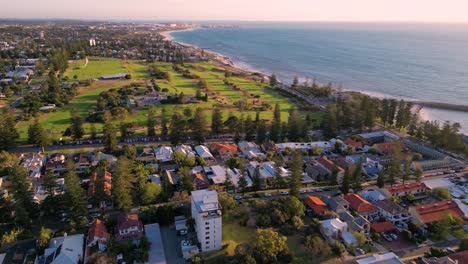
(387, 258)
(205, 200)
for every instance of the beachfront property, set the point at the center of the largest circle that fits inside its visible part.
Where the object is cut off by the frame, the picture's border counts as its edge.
(206, 212)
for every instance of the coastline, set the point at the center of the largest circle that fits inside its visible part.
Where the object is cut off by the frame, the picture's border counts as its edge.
(226, 62)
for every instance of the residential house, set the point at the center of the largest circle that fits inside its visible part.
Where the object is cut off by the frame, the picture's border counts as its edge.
(387, 258)
(332, 229)
(356, 145)
(154, 178)
(432, 212)
(357, 223)
(371, 164)
(372, 195)
(316, 205)
(96, 179)
(331, 167)
(338, 204)
(63, 250)
(362, 207)
(251, 150)
(204, 152)
(56, 164)
(164, 154)
(266, 171)
(147, 155)
(102, 156)
(316, 171)
(82, 162)
(33, 162)
(185, 149)
(325, 146)
(393, 212)
(382, 227)
(200, 181)
(98, 235)
(419, 190)
(224, 150)
(128, 228)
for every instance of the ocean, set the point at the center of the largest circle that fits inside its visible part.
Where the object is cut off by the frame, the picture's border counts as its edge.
(426, 62)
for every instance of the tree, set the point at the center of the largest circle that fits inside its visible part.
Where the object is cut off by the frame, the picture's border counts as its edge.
(75, 195)
(20, 189)
(280, 182)
(329, 123)
(406, 172)
(318, 246)
(217, 122)
(8, 160)
(243, 184)
(392, 168)
(110, 133)
(275, 130)
(418, 173)
(49, 183)
(121, 185)
(43, 241)
(8, 132)
(269, 245)
(442, 193)
(199, 126)
(187, 183)
(228, 184)
(273, 80)
(381, 180)
(357, 177)
(76, 128)
(150, 124)
(164, 129)
(150, 193)
(296, 166)
(37, 135)
(346, 182)
(463, 244)
(177, 128)
(360, 237)
(256, 182)
(261, 132)
(129, 151)
(295, 82)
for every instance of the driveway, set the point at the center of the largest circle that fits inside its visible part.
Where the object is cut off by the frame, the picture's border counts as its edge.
(171, 245)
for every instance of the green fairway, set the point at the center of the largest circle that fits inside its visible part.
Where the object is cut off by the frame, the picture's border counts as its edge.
(253, 92)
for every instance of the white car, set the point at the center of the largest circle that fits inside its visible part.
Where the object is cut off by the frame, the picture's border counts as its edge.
(267, 195)
(302, 191)
(285, 193)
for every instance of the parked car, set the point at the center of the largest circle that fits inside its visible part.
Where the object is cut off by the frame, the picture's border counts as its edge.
(359, 251)
(394, 236)
(267, 195)
(387, 237)
(303, 191)
(285, 193)
(237, 197)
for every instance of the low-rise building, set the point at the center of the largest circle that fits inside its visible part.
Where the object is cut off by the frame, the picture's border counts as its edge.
(164, 154)
(332, 229)
(56, 163)
(387, 258)
(63, 250)
(393, 212)
(204, 153)
(33, 162)
(316, 205)
(362, 207)
(98, 235)
(419, 190)
(128, 228)
(224, 150)
(432, 212)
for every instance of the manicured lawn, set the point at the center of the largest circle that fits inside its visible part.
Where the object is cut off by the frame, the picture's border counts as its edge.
(57, 122)
(96, 68)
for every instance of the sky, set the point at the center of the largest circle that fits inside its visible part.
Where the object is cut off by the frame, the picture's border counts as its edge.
(250, 10)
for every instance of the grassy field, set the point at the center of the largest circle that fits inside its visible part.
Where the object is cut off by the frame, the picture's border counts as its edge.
(219, 93)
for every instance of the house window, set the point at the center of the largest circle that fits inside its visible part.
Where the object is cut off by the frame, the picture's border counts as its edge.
(207, 242)
(207, 223)
(207, 233)
(207, 228)
(207, 237)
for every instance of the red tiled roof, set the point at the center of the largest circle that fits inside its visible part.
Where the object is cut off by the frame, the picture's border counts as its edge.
(386, 147)
(200, 181)
(127, 221)
(224, 147)
(436, 211)
(328, 164)
(353, 143)
(359, 204)
(461, 257)
(407, 187)
(383, 227)
(97, 230)
(107, 183)
(316, 204)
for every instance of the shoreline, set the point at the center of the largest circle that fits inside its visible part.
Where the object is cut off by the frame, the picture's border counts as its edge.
(227, 62)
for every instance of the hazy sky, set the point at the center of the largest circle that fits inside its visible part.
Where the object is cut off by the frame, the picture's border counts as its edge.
(273, 10)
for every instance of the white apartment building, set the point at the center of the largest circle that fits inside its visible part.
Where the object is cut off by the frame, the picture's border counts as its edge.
(208, 220)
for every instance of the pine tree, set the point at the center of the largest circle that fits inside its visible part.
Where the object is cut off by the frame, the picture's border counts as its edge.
(346, 182)
(228, 184)
(20, 189)
(150, 124)
(76, 128)
(418, 174)
(110, 133)
(243, 184)
(37, 135)
(280, 182)
(177, 128)
(217, 122)
(381, 180)
(295, 82)
(296, 167)
(256, 181)
(8, 132)
(187, 183)
(75, 195)
(406, 172)
(249, 129)
(357, 177)
(199, 126)
(329, 123)
(164, 129)
(261, 132)
(49, 182)
(273, 80)
(121, 185)
(275, 130)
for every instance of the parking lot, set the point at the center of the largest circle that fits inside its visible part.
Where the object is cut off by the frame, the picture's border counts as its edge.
(398, 244)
